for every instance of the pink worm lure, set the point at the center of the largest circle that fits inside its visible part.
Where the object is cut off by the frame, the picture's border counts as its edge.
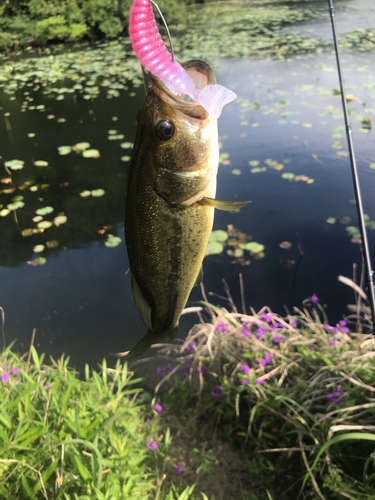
(154, 56)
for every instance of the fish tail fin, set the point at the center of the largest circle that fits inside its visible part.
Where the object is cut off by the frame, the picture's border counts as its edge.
(149, 339)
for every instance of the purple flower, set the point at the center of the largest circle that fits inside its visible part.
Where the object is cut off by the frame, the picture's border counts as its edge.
(245, 332)
(268, 318)
(342, 323)
(335, 329)
(245, 369)
(278, 339)
(293, 321)
(268, 358)
(150, 438)
(158, 407)
(154, 445)
(47, 385)
(314, 299)
(70, 381)
(149, 446)
(340, 390)
(332, 342)
(327, 327)
(213, 394)
(46, 369)
(4, 367)
(15, 371)
(345, 329)
(259, 381)
(244, 381)
(216, 388)
(179, 470)
(221, 326)
(263, 362)
(334, 401)
(158, 369)
(5, 377)
(191, 346)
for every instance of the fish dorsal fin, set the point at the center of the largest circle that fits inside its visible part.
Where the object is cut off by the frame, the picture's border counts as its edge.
(141, 303)
(199, 279)
(227, 205)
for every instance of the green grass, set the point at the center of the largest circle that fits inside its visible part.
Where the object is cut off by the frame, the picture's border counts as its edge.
(66, 438)
(292, 399)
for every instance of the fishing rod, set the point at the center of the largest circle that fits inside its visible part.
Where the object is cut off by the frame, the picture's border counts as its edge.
(357, 190)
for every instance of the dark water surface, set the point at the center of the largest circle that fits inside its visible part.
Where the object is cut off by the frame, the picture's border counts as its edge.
(80, 299)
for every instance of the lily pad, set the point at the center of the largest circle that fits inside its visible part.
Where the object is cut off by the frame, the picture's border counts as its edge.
(15, 164)
(44, 211)
(45, 224)
(126, 145)
(285, 245)
(236, 171)
(218, 235)
(331, 220)
(214, 247)
(16, 205)
(85, 193)
(38, 248)
(60, 219)
(254, 247)
(125, 158)
(91, 153)
(41, 163)
(254, 163)
(97, 192)
(64, 150)
(81, 146)
(112, 241)
(4, 212)
(39, 261)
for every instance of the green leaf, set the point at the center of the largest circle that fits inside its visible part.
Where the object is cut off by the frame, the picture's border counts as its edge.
(85, 474)
(46, 475)
(35, 357)
(26, 486)
(337, 439)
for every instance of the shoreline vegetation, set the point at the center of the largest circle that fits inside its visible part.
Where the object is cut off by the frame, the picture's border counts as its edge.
(249, 406)
(239, 30)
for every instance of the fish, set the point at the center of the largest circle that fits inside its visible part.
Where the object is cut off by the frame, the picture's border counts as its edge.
(170, 203)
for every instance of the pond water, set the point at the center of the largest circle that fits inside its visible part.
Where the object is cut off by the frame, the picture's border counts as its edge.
(286, 122)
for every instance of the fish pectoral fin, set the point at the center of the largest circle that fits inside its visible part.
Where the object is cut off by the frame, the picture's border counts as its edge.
(222, 204)
(199, 279)
(141, 303)
(149, 339)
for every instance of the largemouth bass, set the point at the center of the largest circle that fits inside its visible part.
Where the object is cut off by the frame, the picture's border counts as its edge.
(170, 203)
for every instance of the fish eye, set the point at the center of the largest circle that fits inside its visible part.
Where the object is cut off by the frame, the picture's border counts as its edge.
(165, 130)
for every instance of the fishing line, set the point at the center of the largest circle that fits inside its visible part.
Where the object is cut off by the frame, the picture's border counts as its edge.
(358, 197)
(166, 27)
(211, 29)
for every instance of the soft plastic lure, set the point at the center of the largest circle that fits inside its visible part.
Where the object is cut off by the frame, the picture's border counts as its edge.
(154, 56)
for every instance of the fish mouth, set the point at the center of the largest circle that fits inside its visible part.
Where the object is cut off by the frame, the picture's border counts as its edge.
(201, 72)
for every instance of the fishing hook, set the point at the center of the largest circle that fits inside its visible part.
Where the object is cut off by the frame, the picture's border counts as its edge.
(166, 27)
(358, 197)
